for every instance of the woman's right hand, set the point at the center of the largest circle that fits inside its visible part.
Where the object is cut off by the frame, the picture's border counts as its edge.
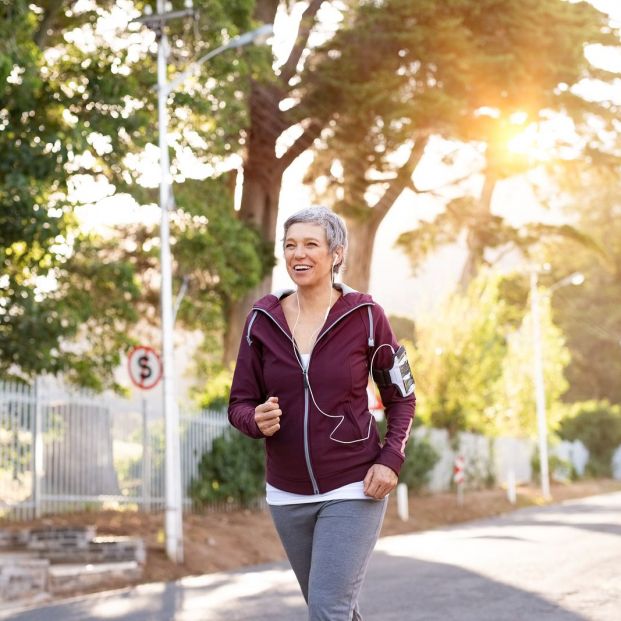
(267, 416)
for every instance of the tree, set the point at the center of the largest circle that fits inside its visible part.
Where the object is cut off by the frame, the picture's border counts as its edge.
(590, 315)
(78, 105)
(458, 360)
(516, 400)
(473, 361)
(597, 424)
(402, 71)
(47, 122)
(270, 118)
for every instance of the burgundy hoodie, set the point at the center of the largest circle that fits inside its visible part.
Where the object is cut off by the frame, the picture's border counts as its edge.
(315, 452)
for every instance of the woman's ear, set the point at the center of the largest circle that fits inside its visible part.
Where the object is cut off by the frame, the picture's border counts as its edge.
(337, 259)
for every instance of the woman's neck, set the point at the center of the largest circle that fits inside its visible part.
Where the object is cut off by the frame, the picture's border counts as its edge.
(316, 299)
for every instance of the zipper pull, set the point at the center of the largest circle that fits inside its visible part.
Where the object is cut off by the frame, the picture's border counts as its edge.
(305, 374)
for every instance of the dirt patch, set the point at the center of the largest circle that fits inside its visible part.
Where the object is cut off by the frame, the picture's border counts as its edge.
(234, 539)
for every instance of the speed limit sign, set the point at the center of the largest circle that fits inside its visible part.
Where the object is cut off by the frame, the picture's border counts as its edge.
(145, 367)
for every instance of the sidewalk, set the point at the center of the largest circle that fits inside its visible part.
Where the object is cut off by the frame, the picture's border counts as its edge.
(530, 564)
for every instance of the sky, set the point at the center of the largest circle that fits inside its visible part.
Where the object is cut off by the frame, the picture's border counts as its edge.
(392, 281)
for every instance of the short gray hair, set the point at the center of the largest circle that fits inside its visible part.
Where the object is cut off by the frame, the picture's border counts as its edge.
(333, 225)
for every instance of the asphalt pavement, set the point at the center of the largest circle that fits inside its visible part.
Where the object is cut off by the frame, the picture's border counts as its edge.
(554, 563)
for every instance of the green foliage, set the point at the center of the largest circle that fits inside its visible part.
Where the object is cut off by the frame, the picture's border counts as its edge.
(458, 361)
(77, 106)
(55, 110)
(556, 466)
(590, 314)
(597, 424)
(402, 69)
(516, 399)
(232, 471)
(215, 394)
(473, 362)
(420, 460)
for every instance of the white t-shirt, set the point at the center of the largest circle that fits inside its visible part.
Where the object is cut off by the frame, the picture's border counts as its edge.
(351, 491)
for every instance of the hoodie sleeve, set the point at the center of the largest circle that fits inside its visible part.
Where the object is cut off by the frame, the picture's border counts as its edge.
(247, 389)
(399, 410)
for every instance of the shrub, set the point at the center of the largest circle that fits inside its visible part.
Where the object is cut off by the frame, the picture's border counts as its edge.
(420, 461)
(597, 424)
(232, 471)
(556, 467)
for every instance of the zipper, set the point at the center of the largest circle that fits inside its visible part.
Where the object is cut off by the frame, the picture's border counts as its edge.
(309, 466)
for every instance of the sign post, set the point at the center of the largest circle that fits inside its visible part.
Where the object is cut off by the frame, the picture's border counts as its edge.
(459, 477)
(145, 371)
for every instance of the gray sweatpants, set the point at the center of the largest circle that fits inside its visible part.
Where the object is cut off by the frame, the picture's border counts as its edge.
(329, 545)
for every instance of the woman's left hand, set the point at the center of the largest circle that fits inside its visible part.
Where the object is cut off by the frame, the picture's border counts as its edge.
(380, 481)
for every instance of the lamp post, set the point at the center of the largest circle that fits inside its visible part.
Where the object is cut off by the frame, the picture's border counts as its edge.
(173, 492)
(540, 395)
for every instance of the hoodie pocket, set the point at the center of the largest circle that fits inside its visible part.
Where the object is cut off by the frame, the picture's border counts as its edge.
(351, 428)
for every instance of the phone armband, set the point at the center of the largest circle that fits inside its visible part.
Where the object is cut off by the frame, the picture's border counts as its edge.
(398, 375)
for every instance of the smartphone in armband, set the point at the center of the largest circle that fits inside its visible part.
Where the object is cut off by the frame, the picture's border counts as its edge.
(398, 375)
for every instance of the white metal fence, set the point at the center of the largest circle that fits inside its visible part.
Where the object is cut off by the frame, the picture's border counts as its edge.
(63, 450)
(68, 450)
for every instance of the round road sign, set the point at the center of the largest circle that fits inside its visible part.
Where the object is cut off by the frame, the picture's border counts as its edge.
(145, 367)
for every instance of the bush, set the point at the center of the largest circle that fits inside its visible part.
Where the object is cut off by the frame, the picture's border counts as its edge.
(556, 467)
(215, 394)
(597, 424)
(420, 461)
(232, 472)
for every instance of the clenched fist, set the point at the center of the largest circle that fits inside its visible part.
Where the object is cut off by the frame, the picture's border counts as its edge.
(267, 416)
(380, 481)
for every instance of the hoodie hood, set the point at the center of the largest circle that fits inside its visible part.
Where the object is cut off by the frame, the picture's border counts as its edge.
(349, 296)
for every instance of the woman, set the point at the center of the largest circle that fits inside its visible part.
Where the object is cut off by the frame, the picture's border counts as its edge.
(300, 383)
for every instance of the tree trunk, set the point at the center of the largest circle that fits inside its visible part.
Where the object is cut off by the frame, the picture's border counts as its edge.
(475, 240)
(263, 170)
(259, 205)
(361, 237)
(262, 181)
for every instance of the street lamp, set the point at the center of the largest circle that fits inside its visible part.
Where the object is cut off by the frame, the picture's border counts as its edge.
(173, 492)
(540, 395)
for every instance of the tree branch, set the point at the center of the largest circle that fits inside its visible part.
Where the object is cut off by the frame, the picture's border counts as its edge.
(53, 8)
(306, 25)
(301, 144)
(437, 191)
(401, 181)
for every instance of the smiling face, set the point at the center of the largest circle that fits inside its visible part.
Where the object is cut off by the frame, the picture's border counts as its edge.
(307, 256)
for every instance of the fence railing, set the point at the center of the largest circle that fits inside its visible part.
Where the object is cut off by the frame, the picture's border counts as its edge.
(68, 450)
(65, 450)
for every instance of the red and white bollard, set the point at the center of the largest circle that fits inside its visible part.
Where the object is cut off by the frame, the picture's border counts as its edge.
(459, 477)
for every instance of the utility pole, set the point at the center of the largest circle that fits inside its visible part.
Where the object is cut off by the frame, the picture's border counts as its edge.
(173, 489)
(157, 22)
(575, 279)
(540, 393)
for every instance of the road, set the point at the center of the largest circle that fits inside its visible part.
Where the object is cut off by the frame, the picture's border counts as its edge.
(555, 563)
